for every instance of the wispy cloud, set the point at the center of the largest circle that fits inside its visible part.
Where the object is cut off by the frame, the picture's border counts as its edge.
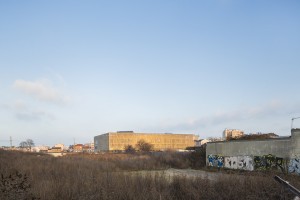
(42, 90)
(22, 111)
(34, 115)
(15, 106)
(272, 108)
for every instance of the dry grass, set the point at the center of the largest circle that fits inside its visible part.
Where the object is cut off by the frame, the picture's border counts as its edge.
(105, 176)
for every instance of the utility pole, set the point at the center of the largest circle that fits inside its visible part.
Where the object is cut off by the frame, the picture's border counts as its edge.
(10, 139)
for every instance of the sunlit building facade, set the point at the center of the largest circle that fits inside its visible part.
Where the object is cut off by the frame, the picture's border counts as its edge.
(117, 141)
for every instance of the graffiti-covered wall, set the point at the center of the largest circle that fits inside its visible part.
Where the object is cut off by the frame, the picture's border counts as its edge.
(250, 163)
(271, 154)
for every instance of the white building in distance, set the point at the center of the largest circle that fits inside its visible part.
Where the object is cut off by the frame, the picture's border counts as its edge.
(232, 133)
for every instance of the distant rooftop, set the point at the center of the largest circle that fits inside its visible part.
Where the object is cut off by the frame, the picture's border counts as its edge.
(125, 132)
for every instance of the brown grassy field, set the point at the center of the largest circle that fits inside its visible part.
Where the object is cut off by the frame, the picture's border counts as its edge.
(109, 176)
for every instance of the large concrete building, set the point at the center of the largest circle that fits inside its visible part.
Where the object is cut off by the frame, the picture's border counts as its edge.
(281, 153)
(116, 141)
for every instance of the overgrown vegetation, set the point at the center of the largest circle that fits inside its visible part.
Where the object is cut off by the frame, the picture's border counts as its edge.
(144, 146)
(256, 136)
(129, 149)
(108, 176)
(141, 146)
(15, 186)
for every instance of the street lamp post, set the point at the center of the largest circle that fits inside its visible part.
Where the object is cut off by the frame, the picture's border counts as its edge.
(293, 121)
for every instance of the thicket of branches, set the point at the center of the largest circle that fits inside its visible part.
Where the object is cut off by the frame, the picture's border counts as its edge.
(27, 144)
(108, 176)
(141, 146)
(256, 136)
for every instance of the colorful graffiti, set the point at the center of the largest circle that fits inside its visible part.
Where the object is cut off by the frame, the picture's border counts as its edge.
(215, 160)
(212, 161)
(269, 162)
(294, 166)
(280, 163)
(266, 162)
(220, 161)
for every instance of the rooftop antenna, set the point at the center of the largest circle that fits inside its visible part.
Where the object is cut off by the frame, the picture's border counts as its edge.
(293, 121)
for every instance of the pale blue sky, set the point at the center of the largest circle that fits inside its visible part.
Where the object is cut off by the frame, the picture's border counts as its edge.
(76, 69)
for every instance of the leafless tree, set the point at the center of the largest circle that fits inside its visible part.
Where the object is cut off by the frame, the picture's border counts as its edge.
(23, 145)
(27, 144)
(30, 143)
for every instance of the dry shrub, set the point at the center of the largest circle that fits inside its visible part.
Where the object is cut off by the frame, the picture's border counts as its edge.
(15, 186)
(92, 177)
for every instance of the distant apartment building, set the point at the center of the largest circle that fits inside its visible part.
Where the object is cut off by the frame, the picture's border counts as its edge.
(78, 148)
(117, 141)
(88, 147)
(40, 148)
(199, 143)
(55, 150)
(62, 146)
(204, 141)
(232, 133)
(92, 145)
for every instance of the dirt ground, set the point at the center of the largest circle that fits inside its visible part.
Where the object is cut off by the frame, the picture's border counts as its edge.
(188, 173)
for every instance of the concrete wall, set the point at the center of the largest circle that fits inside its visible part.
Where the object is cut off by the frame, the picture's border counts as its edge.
(295, 144)
(101, 142)
(277, 153)
(118, 141)
(280, 147)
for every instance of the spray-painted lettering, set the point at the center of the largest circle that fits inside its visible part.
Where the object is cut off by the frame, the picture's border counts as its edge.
(294, 166)
(215, 160)
(266, 162)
